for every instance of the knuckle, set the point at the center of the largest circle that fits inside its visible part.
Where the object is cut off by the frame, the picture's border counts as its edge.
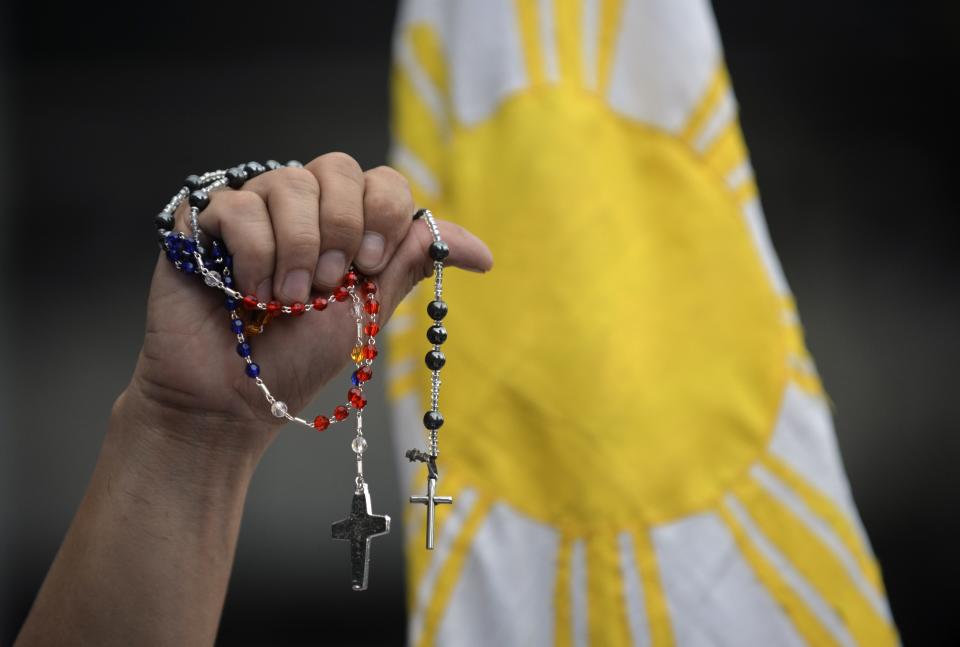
(388, 204)
(244, 204)
(341, 225)
(342, 164)
(297, 180)
(303, 243)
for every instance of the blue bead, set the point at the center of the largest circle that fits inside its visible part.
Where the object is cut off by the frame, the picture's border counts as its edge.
(232, 304)
(243, 349)
(189, 246)
(253, 370)
(236, 326)
(228, 281)
(188, 267)
(354, 379)
(172, 255)
(171, 240)
(215, 250)
(228, 261)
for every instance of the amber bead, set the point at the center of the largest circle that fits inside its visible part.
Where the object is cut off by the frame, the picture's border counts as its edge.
(357, 354)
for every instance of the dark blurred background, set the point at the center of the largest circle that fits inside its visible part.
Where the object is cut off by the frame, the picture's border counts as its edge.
(849, 109)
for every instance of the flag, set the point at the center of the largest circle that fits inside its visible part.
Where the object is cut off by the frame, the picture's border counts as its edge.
(638, 444)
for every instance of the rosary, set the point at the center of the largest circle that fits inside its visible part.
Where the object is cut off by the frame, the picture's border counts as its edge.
(248, 316)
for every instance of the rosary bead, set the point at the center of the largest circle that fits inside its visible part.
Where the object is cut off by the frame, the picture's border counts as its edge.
(436, 334)
(243, 349)
(231, 303)
(279, 409)
(295, 164)
(212, 279)
(364, 373)
(357, 354)
(199, 199)
(319, 303)
(297, 308)
(439, 250)
(354, 394)
(254, 169)
(253, 369)
(274, 307)
(371, 306)
(188, 267)
(173, 254)
(359, 445)
(236, 177)
(188, 247)
(432, 420)
(437, 309)
(250, 302)
(164, 220)
(369, 352)
(236, 326)
(370, 329)
(273, 165)
(320, 423)
(228, 281)
(368, 288)
(340, 413)
(341, 294)
(192, 182)
(350, 279)
(435, 360)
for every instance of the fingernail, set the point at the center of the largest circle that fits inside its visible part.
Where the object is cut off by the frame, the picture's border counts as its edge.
(371, 249)
(265, 290)
(331, 267)
(296, 285)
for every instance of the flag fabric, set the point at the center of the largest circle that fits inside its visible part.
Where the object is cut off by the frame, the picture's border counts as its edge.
(638, 444)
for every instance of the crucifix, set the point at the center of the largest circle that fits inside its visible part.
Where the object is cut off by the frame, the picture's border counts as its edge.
(359, 528)
(431, 500)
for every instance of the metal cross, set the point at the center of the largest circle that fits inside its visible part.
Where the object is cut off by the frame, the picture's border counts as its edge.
(359, 528)
(431, 501)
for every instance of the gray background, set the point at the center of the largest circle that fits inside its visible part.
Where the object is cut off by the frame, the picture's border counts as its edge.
(849, 117)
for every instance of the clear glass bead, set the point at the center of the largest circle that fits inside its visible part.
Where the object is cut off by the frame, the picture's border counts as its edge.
(279, 409)
(359, 445)
(212, 278)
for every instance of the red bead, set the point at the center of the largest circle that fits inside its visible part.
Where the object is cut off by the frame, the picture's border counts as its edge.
(297, 308)
(250, 302)
(350, 279)
(274, 307)
(371, 306)
(369, 352)
(341, 294)
(369, 287)
(319, 303)
(364, 373)
(321, 423)
(371, 329)
(354, 394)
(340, 413)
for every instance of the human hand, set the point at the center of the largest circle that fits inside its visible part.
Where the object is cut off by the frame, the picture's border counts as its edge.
(289, 230)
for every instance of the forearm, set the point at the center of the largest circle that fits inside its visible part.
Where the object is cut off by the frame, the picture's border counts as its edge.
(148, 556)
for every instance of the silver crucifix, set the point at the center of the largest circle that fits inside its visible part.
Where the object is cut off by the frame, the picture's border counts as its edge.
(431, 501)
(359, 528)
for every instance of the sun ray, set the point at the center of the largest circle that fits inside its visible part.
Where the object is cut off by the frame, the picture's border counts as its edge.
(779, 490)
(827, 510)
(424, 185)
(658, 616)
(416, 128)
(607, 37)
(579, 616)
(633, 599)
(569, 31)
(727, 150)
(794, 603)
(606, 613)
(561, 595)
(718, 87)
(867, 623)
(530, 37)
(437, 584)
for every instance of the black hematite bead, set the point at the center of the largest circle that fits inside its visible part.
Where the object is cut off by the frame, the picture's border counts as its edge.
(236, 177)
(295, 164)
(254, 169)
(432, 420)
(273, 165)
(439, 250)
(192, 182)
(437, 310)
(199, 199)
(419, 213)
(164, 220)
(436, 334)
(435, 360)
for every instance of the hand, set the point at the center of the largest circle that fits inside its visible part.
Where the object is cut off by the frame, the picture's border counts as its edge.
(288, 229)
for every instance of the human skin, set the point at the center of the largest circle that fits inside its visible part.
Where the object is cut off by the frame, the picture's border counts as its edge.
(148, 555)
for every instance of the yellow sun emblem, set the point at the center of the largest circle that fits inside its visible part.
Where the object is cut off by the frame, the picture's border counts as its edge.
(617, 382)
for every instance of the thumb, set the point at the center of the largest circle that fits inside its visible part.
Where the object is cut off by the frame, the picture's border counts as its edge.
(412, 263)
